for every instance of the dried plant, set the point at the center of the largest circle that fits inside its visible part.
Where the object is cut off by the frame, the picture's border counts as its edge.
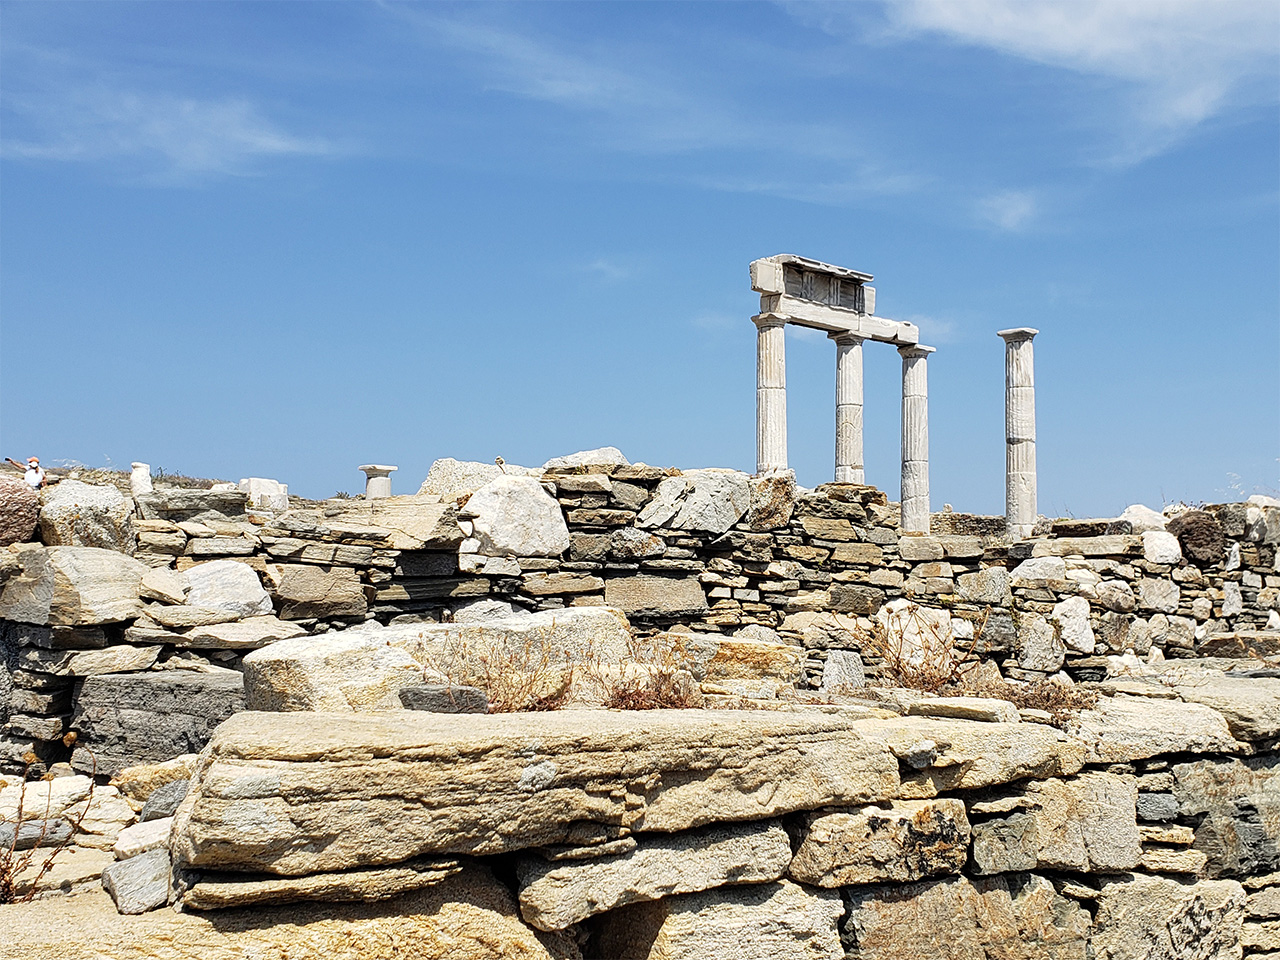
(13, 863)
(657, 676)
(515, 678)
(1061, 701)
(918, 651)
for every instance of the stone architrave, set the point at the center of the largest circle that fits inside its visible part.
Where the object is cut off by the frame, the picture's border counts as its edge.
(915, 438)
(1020, 432)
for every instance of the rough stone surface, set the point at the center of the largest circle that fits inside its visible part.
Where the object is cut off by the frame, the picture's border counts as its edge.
(1039, 645)
(336, 673)
(903, 841)
(1152, 918)
(1123, 729)
(1237, 806)
(164, 585)
(1251, 705)
(843, 669)
(132, 718)
(140, 883)
(982, 709)
(142, 838)
(1200, 535)
(75, 514)
(705, 500)
(774, 921)
(555, 895)
(1014, 917)
(221, 891)
(1141, 518)
(443, 698)
(651, 596)
(164, 801)
(470, 916)
(383, 788)
(515, 516)
(229, 586)
(1072, 619)
(309, 590)
(72, 586)
(247, 634)
(19, 510)
(1161, 547)
(142, 780)
(772, 501)
(985, 586)
(452, 479)
(600, 456)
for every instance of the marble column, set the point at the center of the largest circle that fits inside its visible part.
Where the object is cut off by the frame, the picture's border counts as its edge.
(849, 467)
(377, 482)
(915, 438)
(771, 394)
(1020, 432)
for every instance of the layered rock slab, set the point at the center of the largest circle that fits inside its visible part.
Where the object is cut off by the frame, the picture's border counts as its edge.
(1153, 918)
(555, 895)
(293, 794)
(466, 917)
(774, 921)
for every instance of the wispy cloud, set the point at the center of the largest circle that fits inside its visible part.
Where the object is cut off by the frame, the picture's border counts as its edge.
(1008, 210)
(162, 136)
(1181, 62)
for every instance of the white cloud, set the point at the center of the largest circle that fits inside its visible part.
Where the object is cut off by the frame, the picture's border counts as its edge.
(170, 137)
(1182, 61)
(1008, 210)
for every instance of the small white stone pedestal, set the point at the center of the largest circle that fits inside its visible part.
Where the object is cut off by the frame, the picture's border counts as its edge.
(140, 479)
(377, 480)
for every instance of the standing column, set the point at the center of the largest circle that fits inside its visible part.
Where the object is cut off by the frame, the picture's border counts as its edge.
(1020, 432)
(771, 394)
(915, 438)
(848, 408)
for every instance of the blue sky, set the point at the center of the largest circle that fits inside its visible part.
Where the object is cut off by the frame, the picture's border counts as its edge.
(285, 239)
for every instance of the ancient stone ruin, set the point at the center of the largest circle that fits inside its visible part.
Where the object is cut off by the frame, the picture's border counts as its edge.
(601, 709)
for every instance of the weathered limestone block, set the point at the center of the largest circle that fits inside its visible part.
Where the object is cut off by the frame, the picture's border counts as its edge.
(341, 672)
(1158, 594)
(1122, 729)
(180, 505)
(450, 479)
(1152, 918)
(1237, 805)
(1038, 568)
(470, 916)
(383, 788)
(648, 596)
(775, 921)
(19, 510)
(75, 514)
(703, 500)
(222, 891)
(72, 586)
(1251, 705)
(181, 616)
(88, 663)
(630, 543)
(1072, 619)
(555, 895)
(1087, 824)
(773, 500)
(739, 659)
(515, 516)
(164, 585)
(140, 883)
(1014, 917)
(1161, 547)
(132, 718)
(1116, 595)
(981, 709)
(247, 634)
(598, 457)
(986, 586)
(309, 590)
(229, 586)
(843, 669)
(902, 841)
(916, 632)
(1040, 646)
(970, 756)
(139, 782)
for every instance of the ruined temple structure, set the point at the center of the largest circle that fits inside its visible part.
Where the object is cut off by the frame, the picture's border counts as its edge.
(599, 709)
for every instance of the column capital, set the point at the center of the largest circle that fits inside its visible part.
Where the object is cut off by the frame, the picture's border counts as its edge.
(846, 336)
(915, 350)
(1017, 334)
(765, 321)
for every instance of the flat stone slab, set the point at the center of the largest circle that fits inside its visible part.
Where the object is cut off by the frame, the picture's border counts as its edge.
(443, 698)
(556, 895)
(298, 793)
(215, 891)
(966, 708)
(1123, 729)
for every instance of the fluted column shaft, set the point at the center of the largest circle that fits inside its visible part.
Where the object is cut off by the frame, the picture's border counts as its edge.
(1020, 432)
(771, 394)
(915, 438)
(849, 467)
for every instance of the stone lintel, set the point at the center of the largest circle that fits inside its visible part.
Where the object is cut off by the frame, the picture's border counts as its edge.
(834, 320)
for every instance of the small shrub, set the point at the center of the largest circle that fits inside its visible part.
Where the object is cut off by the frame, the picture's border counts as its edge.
(14, 862)
(917, 651)
(1061, 701)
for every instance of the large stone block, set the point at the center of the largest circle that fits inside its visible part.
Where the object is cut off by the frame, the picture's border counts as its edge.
(333, 672)
(72, 586)
(1153, 918)
(229, 586)
(75, 514)
(902, 841)
(710, 501)
(515, 516)
(1236, 807)
(309, 590)
(555, 895)
(179, 505)
(774, 921)
(1016, 917)
(1251, 705)
(773, 500)
(648, 596)
(19, 510)
(470, 916)
(129, 719)
(298, 793)
(1122, 729)
(1087, 824)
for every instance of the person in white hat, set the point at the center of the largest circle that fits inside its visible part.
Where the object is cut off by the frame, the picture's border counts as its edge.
(34, 473)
